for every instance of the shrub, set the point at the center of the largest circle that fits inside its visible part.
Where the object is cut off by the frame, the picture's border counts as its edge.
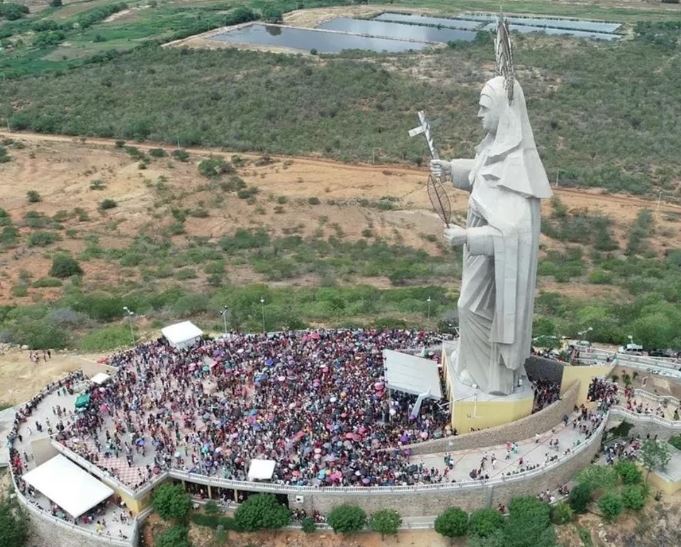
(45, 282)
(385, 522)
(171, 502)
(42, 239)
(64, 266)
(4, 156)
(634, 496)
(308, 525)
(629, 472)
(97, 184)
(453, 522)
(529, 522)
(38, 334)
(13, 524)
(157, 153)
(485, 522)
(580, 497)
(561, 513)
(107, 338)
(181, 155)
(313, 200)
(215, 167)
(32, 196)
(675, 441)
(610, 505)
(107, 203)
(12, 11)
(261, 511)
(347, 519)
(177, 536)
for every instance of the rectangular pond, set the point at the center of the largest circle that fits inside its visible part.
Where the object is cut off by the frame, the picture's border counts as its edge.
(527, 29)
(552, 22)
(305, 39)
(386, 29)
(599, 30)
(415, 19)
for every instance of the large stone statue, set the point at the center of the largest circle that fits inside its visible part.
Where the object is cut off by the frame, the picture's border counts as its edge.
(506, 180)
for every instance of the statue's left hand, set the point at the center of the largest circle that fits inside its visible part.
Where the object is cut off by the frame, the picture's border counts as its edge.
(455, 235)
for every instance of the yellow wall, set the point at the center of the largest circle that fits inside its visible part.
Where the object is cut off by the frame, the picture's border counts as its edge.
(584, 375)
(661, 484)
(136, 506)
(467, 414)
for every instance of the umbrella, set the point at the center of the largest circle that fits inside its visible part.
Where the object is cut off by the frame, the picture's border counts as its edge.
(281, 378)
(349, 436)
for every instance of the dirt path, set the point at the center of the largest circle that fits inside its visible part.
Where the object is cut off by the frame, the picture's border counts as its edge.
(595, 197)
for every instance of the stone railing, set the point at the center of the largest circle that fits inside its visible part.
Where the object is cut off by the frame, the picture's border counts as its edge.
(340, 490)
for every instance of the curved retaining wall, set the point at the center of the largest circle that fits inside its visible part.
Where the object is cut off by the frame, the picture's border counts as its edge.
(525, 428)
(422, 500)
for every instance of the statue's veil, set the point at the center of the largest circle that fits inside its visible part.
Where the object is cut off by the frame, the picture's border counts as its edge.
(514, 141)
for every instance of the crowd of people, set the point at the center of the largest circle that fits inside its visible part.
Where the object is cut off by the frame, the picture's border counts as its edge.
(545, 393)
(316, 403)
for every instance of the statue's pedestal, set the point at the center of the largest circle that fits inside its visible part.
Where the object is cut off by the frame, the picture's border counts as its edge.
(473, 409)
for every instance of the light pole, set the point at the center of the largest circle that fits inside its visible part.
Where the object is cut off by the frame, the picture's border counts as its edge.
(224, 312)
(130, 315)
(585, 334)
(428, 300)
(262, 307)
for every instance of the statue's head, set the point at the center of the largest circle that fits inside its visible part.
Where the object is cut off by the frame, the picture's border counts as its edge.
(493, 103)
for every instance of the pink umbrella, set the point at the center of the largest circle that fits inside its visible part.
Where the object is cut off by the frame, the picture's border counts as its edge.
(350, 436)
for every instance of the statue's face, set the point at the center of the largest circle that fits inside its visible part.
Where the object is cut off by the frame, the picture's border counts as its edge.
(488, 114)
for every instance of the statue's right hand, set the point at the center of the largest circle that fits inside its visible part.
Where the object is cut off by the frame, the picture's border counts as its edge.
(440, 168)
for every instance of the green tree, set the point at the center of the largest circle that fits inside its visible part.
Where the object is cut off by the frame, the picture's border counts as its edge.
(598, 476)
(628, 472)
(385, 522)
(580, 497)
(634, 496)
(347, 519)
(308, 525)
(452, 522)
(654, 455)
(171, 502)
(261, 511)
(64, 266)
(13, 525)
(610, 505)
(484, 522)
(561, 513)
(177, 536)
(529, 523)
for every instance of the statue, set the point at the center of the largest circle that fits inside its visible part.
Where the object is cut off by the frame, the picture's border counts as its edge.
(506, 180)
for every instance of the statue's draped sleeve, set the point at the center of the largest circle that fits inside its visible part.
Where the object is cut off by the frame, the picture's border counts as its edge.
(461, 169)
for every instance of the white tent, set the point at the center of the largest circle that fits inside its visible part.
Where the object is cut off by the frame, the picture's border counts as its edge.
(182, 335)
(100, 378)
(69, 486)
(411, 374)
(261, 470)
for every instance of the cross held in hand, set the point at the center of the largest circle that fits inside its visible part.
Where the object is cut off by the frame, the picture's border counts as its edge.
(424, 129)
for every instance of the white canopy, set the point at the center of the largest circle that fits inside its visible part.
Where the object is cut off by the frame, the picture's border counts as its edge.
(182, 335)
(100, 378)
(411, 374)
(261, 470)
(69, 486)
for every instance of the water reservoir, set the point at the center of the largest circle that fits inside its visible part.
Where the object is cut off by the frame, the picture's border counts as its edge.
(305, 39)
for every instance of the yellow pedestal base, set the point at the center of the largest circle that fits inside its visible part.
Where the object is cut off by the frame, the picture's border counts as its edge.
(473, 410)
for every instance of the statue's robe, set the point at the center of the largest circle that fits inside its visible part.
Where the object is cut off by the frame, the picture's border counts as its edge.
(498, 283)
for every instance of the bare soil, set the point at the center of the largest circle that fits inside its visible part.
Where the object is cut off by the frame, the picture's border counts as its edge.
(62, 168)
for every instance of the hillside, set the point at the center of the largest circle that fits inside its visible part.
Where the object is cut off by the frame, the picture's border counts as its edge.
(322, 242)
